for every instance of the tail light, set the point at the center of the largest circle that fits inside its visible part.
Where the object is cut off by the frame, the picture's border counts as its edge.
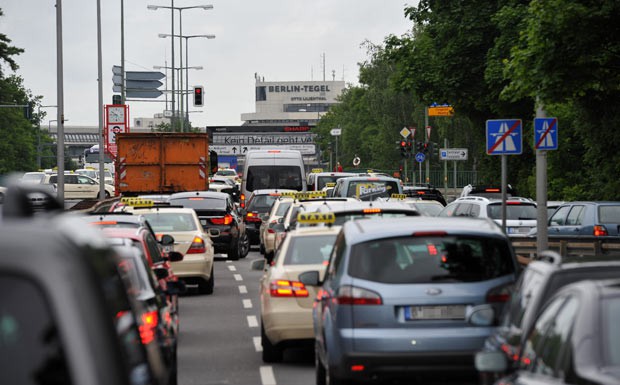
(284, 288)
(512, 352)
(147, 329)
(600, 231)
(252, 216)
(225, 220)
(499, 294)
(271, 231)
(197, 246)
(351, 295)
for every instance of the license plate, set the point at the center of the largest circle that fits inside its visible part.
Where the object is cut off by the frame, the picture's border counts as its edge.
(518, 230)
(434, 312)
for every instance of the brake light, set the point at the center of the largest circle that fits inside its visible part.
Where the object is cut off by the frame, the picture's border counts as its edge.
(252, 216)
(351, 295)
(513, 203)
(225, 220)
(432, 249)
(285, 288)
(492, 190)
(197, 246)
(273, 151)
(429, 234)
(271, 231)
(371, 211)
(196, 199)
(421, 193)
(105, 223)
(357, 368)
(600, 231)
(147, 329)
(499, 294)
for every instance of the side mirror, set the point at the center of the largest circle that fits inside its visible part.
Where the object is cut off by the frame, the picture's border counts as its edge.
(264, 217)
(491, 361)
(175, 256)
(258, 264)
(160, 272)
(176, 287)
(310, 278)
(166, 240)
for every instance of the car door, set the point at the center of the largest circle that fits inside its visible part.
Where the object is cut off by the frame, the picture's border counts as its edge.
(72, 189)
(87, 186)
(573, 221)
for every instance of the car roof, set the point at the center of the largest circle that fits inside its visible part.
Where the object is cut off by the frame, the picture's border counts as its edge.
(164, 209)
(200, 194)
(367, 177)
(269, 191)
(363, 230)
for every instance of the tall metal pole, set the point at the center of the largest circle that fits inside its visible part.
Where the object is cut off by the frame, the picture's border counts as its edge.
(100, 99)
(123, 91)
(504, 187)
(426, 135)
(174, 112)
(187, 82)
(60, 150)
(181, 88)
(542, 234)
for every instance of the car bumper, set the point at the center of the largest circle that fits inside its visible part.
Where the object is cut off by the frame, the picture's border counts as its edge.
(285, 325)
(253, 233)
(193, 266)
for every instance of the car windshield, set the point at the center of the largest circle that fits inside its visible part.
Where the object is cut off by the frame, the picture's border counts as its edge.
(309, 250)
(430, 259)
(323, 180)
(33, 178)
(513, 211)
(168, 222)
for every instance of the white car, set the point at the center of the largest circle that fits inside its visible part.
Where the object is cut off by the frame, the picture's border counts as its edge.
(79, 186)
(190, 239)
(267, 232)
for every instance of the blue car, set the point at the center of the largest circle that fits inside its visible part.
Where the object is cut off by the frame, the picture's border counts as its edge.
(585, 219)
(408, 297)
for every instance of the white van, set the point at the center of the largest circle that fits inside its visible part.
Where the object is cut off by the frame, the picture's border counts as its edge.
(272, 169)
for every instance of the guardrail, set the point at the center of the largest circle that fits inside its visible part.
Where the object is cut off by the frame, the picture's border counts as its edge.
(588, 246)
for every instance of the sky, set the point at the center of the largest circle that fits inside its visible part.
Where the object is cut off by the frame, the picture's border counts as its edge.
(280, 40)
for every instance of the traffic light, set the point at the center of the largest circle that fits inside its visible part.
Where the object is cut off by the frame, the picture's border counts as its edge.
(198, 97)
(403, 149)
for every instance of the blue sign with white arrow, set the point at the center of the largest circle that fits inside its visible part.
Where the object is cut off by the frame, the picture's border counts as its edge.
(504, 137)
(546, 133)
(420, 157)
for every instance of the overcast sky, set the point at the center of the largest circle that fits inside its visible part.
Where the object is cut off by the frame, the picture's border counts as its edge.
(281, 40)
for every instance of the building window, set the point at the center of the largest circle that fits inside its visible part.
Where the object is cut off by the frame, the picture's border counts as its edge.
(261, 93)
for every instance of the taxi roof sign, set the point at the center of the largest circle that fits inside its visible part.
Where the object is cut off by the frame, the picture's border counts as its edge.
(138, 202)
(316, 170)
(398, 196)
(305, 195)
(311, 218)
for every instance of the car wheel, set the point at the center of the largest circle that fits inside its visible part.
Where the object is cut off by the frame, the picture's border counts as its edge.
(233, 252)
(321, 374)
(206, 286)
(271, 353)
(245, 245)
(107, 195)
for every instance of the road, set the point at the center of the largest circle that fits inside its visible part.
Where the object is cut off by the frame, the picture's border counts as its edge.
(219, 342)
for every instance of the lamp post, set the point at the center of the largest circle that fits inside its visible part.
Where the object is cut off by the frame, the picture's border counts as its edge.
(186, 89)
(180, 35)
(176, 69)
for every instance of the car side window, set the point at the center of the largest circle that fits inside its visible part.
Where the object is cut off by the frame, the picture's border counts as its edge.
(547, 349)
(153, 248)
(559, 217)
(29, 336)
(335, 268)
(527, 286)
(462, 210)
(475, 211)
(575, 216)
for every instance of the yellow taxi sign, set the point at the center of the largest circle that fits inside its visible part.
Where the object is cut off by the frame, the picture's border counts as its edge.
(330, 184)
(315, 170)
(137, 202)
(401, 197)
(305, 195)
(291, 194)
(310, 218)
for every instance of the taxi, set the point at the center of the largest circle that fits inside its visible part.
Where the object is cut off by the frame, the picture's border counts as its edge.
(268, 223)
(196, 267)
(286, 303)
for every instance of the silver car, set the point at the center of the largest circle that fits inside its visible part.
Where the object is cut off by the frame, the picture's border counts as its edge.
(408, 297)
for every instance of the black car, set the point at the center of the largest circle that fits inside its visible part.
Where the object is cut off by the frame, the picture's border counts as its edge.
(66, 313)
(217, 210)
(425, 192)
(573, 340)
(537, 283)
(259, 204)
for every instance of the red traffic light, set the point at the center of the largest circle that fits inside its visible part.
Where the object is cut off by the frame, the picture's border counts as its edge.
(403, 143)
(198, 100)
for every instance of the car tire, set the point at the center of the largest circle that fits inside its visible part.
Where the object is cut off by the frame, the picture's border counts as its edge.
(107, 195)
(321, 374)
(261, 249)
(245, 245)
(233, 252)
(271, 353)
(206, 286)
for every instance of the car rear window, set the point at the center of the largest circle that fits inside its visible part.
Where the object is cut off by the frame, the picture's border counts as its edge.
(514, 211)
(261, 203)
(309, 250)
(323, 180)
(200, 203)
(609, 214)
(431, 259)
(371, 190)
(161, 222)
(341, 219)
(271, 177)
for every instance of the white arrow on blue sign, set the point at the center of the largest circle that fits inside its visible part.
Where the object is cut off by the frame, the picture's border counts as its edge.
(420, 157)
(546, 133)
(504, 137)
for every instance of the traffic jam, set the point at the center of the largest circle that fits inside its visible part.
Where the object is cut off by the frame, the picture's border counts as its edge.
(353, 279)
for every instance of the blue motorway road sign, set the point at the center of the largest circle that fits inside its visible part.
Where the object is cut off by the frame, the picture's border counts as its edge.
(546, 133)
(420, 157)
(504, 137)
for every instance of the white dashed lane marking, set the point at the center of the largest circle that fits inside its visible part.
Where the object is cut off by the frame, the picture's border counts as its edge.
(247, 303)
(252, 321)
(232, 268)
(243, 289)
(266, 375)
(238, 277)
(257, 344)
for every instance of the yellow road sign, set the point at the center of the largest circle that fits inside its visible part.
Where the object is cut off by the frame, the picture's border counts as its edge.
(441, 111)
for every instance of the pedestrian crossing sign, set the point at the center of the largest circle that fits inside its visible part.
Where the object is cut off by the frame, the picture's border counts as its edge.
(546, 133)
(504, 137)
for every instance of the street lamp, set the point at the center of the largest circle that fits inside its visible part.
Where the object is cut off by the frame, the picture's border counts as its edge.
(186, 37)
(164, 67)
(180, 9)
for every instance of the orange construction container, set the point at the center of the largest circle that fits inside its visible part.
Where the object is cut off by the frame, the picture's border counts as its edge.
(161, 163)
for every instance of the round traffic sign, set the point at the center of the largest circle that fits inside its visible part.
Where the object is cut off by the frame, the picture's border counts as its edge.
(420, 157)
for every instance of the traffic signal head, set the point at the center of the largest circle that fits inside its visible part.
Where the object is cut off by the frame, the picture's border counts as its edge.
(198, 97)
(403, 148)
